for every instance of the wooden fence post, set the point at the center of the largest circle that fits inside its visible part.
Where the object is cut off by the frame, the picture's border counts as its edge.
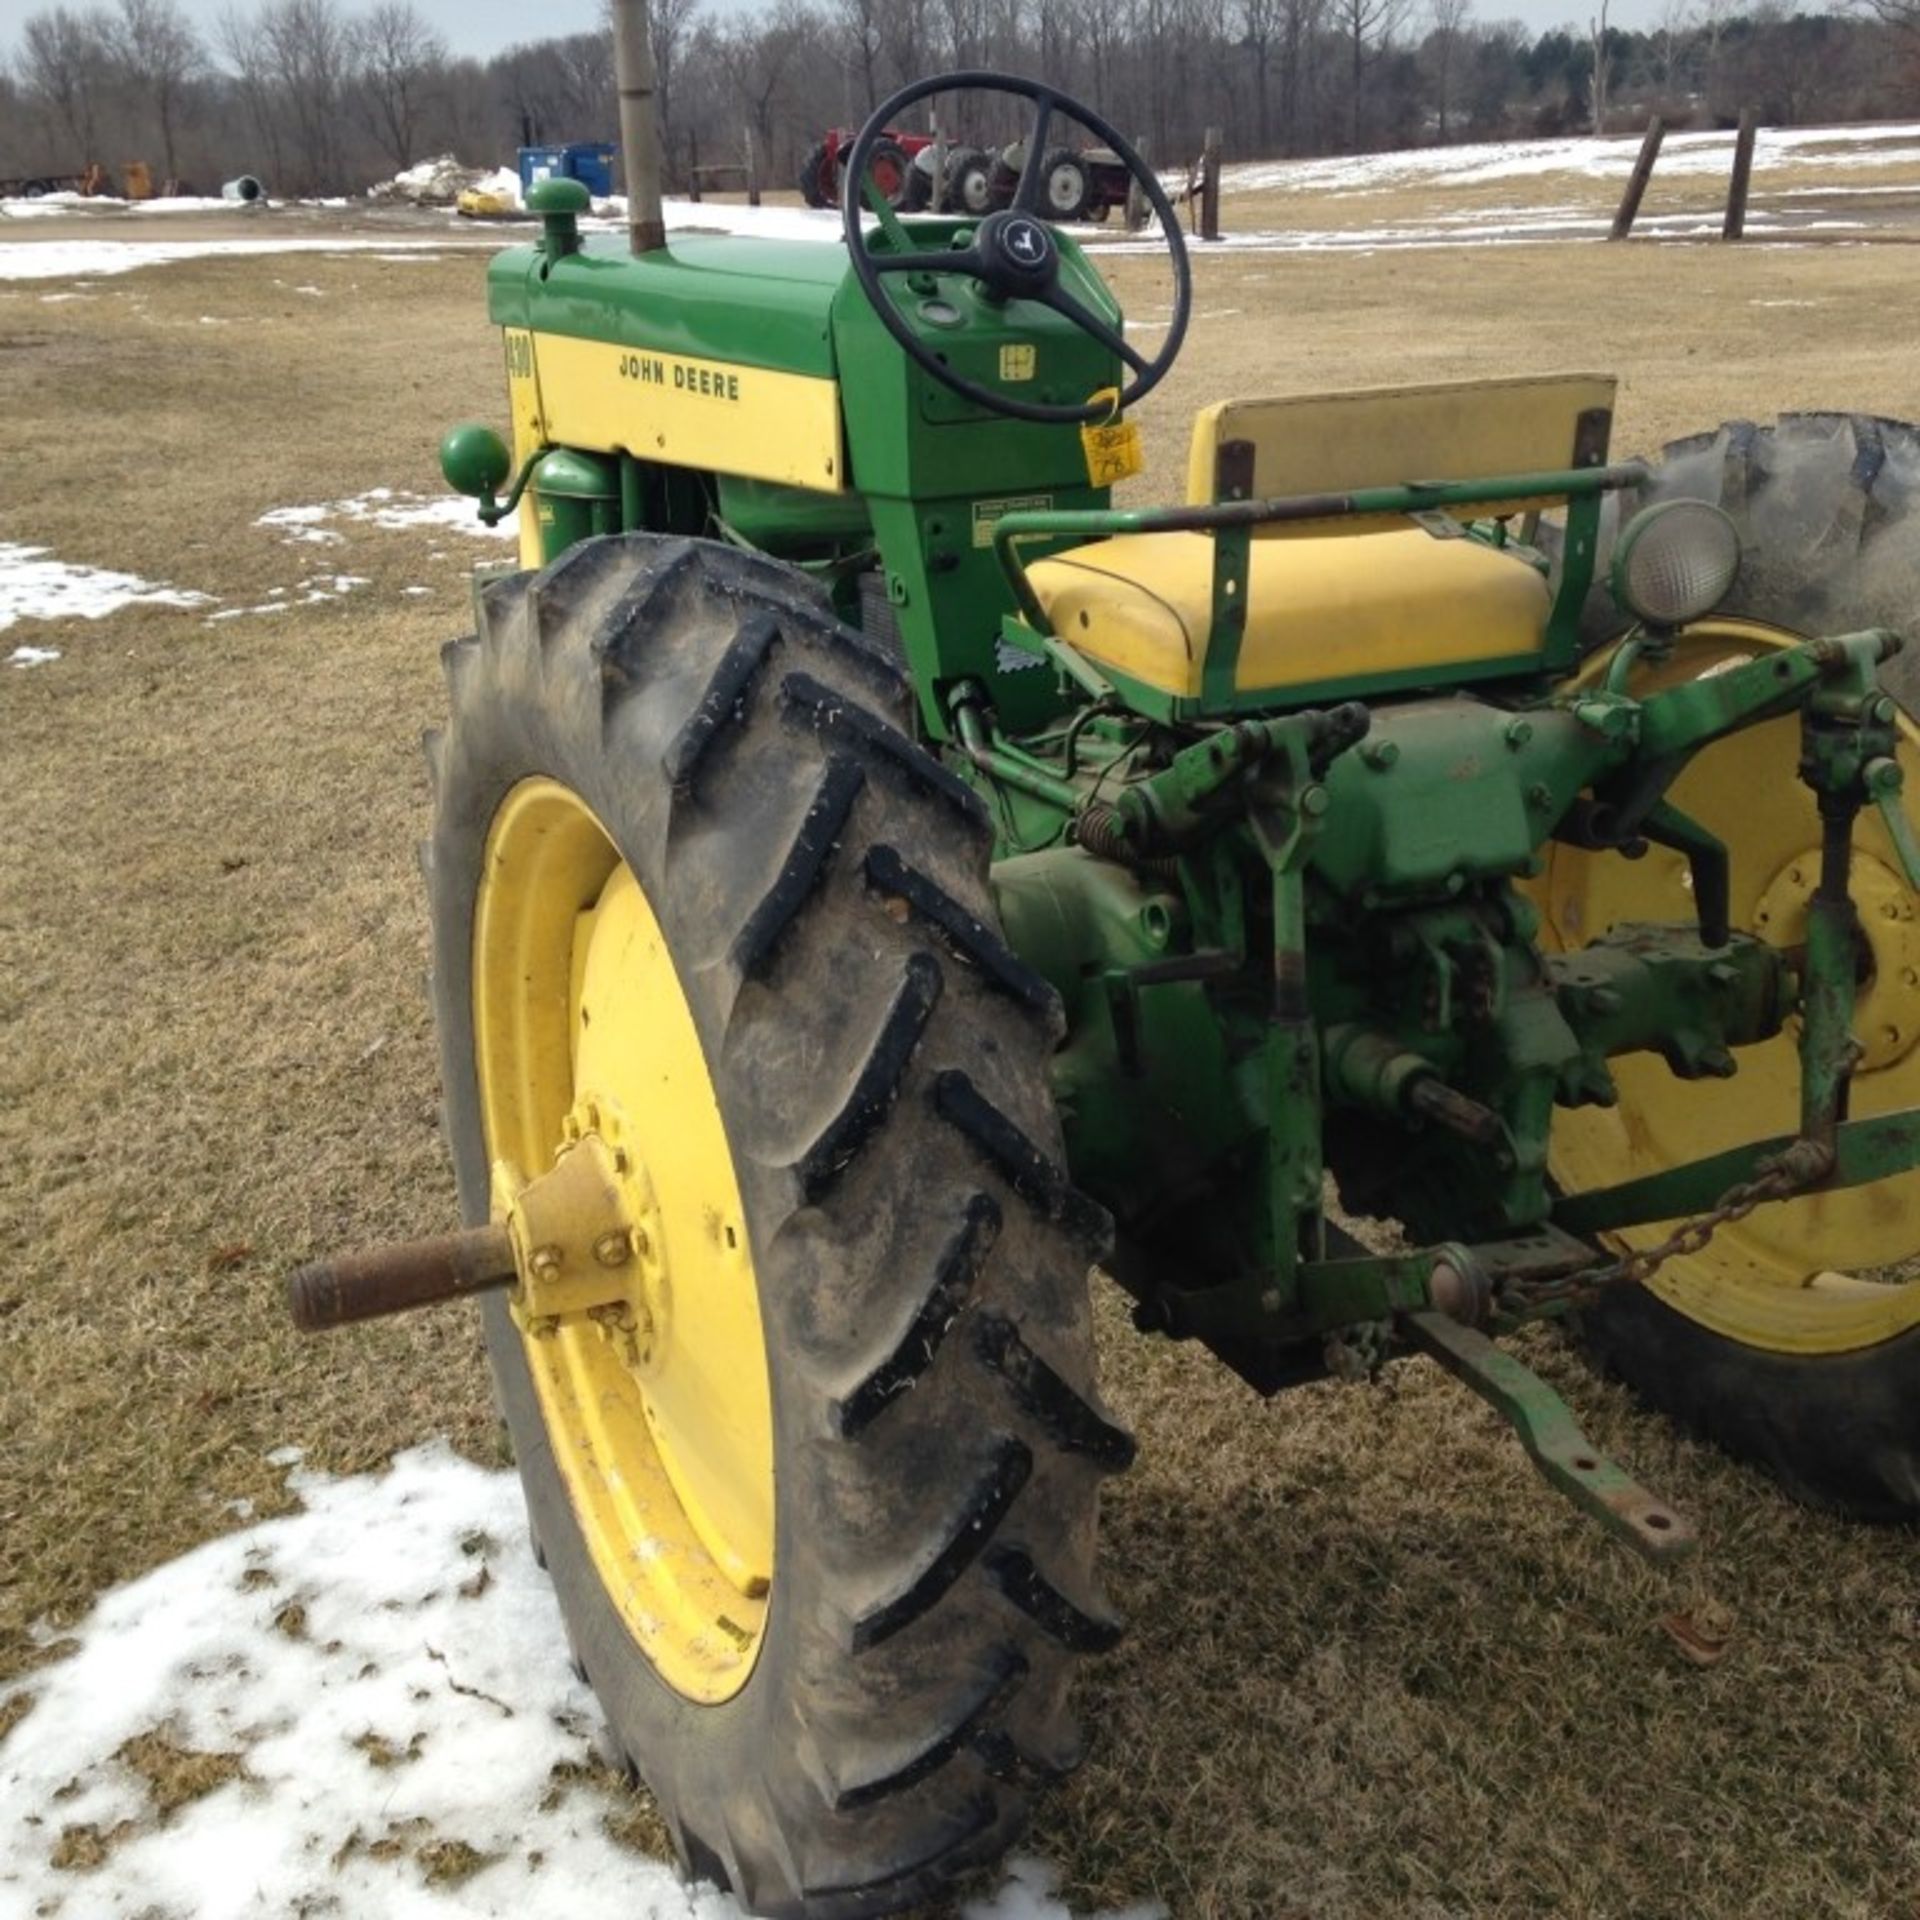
(753, 172)
(1637, 181)
(1137, 202)
(1736, 221)
(1210, 186)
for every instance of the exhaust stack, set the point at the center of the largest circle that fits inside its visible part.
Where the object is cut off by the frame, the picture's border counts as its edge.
(639, 126)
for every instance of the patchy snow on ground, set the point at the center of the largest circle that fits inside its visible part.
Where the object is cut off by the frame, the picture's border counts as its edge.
(380, 507)
(1681, 153)
(77, 259)
(41, 205)
(303, 593)
(360, 1708)
(34, 586)
(32, 656)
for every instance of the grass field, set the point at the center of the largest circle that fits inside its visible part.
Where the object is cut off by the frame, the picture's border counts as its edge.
(1375, 1669)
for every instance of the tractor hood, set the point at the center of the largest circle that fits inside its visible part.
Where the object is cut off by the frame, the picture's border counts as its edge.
(724, 297)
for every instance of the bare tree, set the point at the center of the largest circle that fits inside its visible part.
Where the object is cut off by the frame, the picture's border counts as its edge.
(398, 62)
(966, 32)
(1669, 36)
(903, 39)
(1365, 28)
(586, 66)
(1449, 18)
(65, 61)
(306, 56)
(242, 39)
(859, 32)
(1602, 69)
(159, 54)
(759, 55)
(670, 22)
(1259, 24)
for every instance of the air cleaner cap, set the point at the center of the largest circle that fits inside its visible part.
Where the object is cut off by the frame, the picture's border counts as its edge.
(559, 203)
(1675, 561)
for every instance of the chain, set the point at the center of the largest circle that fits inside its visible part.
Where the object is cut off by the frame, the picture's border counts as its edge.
(1788, 1172)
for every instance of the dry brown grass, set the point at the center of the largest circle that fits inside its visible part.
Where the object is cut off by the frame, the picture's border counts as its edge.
(1375, 1668)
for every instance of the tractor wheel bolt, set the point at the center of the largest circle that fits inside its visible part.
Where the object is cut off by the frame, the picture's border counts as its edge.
(613, 1249)
(545, 1261)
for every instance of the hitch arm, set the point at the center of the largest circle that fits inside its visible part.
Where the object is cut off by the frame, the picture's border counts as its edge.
(1564, 1455)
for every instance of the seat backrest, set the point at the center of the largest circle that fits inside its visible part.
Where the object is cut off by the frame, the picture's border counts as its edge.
(1397, 436)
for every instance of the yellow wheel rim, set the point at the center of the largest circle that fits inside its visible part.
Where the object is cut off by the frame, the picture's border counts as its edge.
(1807, 1276)
(657, 1409)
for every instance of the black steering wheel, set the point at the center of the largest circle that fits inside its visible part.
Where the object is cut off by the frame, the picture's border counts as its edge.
(1013, 252)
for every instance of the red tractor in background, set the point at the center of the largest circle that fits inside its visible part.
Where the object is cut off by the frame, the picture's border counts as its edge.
(1083, 184)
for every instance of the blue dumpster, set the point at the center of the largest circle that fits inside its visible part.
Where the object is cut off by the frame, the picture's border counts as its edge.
(588, 161)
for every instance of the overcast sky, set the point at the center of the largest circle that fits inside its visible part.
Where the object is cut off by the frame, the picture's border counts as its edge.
(482, 27)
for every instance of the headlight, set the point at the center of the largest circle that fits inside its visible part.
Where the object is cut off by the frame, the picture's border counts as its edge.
(1675, 561)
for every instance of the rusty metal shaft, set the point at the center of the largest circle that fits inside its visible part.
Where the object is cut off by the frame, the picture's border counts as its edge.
(396, 1279)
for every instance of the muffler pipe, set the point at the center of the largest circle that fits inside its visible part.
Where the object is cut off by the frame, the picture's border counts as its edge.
(639, 125)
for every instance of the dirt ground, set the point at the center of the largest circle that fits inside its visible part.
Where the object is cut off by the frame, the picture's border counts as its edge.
(1375, 1668)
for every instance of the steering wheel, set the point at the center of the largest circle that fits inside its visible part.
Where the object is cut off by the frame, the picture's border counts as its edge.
(1013, 252)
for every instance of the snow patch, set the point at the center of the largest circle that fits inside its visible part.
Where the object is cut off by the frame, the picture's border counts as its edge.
(35, 587)
(384, 1674)
(379, 507)
(1682, 154)
(503, 185)
(311, 593)
(73, 259)
(32, 656)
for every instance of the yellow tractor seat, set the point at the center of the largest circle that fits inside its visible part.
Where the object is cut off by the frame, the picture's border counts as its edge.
(1319, 607)
(1350, 599)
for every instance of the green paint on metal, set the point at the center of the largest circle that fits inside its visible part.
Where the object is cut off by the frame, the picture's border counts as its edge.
(1284, 927)
(761, 303)
(1879, 1148)
(1566, 1458)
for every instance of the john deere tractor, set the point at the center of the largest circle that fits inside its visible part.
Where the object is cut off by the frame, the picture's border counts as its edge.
(877, 884)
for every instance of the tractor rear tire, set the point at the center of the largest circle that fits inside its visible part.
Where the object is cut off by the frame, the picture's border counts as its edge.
(892, 172)
(818, 178)
(1828, 508)
(970, 182)
(1065, 187)
(877, 1058)
(919, 182)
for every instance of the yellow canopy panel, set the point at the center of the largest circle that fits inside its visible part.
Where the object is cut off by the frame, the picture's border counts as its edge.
(1319, 607)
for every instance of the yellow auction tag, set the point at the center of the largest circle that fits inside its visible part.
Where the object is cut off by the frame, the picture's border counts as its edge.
(1112, 445)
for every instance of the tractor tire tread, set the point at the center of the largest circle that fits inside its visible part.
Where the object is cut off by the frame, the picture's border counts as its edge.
(1041, 1182)
(1828, 508)
(965, 933)
(915, 1350)
(815, 841)
(877, 1083)
(847, 1777)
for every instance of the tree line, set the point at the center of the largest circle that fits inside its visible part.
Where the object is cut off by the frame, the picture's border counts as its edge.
(318, 98)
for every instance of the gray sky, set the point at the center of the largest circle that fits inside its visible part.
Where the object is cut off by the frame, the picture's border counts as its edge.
(482, 27)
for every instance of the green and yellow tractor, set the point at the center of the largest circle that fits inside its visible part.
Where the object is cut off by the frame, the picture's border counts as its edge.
(878, 885)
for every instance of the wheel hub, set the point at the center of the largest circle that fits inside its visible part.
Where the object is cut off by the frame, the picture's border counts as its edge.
(587, 1238)
(1828, 1272)
(635, 1288)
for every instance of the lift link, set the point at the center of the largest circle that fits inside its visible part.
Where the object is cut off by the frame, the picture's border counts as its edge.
(1566, 1458)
